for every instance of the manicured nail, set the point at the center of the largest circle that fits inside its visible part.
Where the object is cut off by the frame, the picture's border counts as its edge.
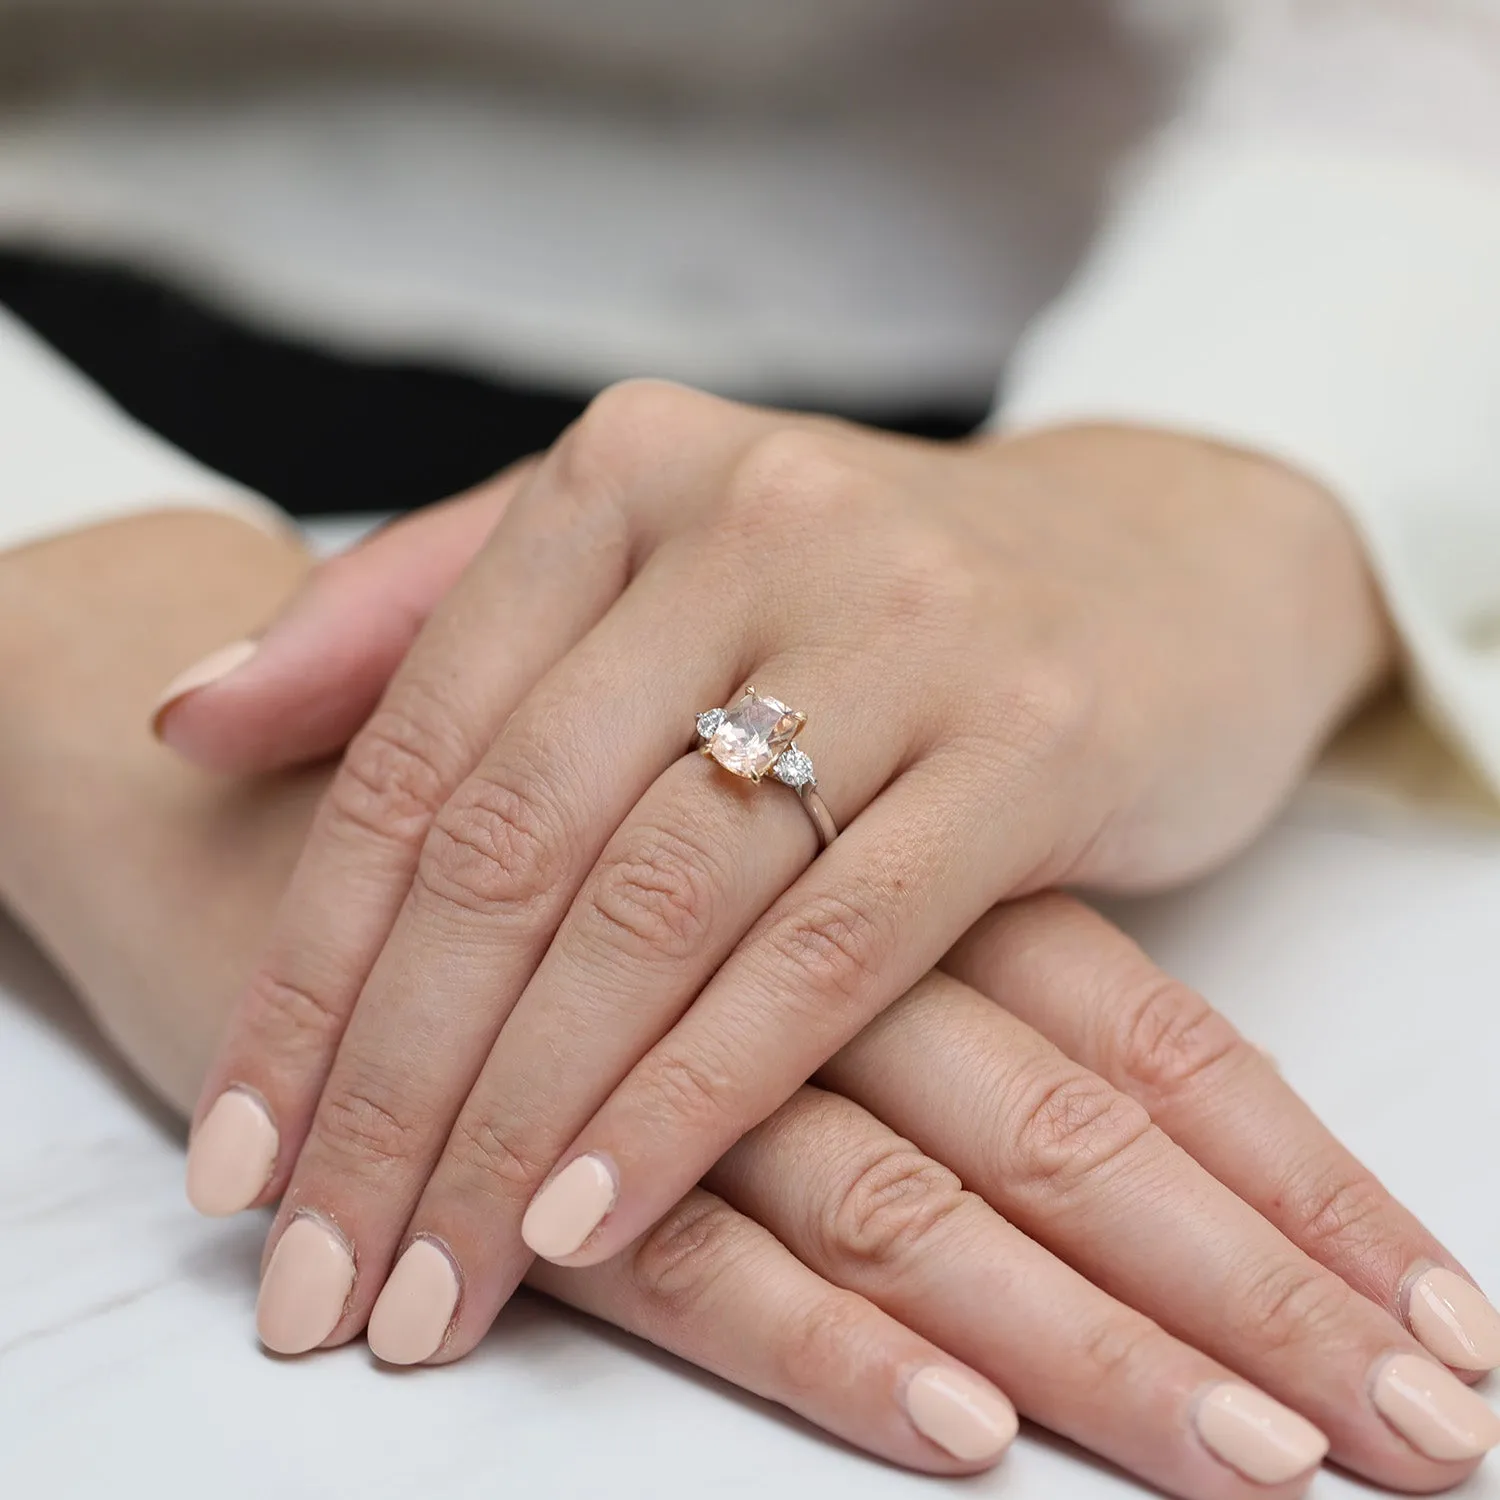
(305, 1287)
(1433, 1409)
(570, 1208)
(962, 1415)
(1258, 1438)
(213, 668)
(231, 1155)
(411, 1316)
(1454, 1320)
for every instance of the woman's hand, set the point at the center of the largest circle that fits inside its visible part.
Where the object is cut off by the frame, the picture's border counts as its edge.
(107, 843)
(901, 1272)
(1087, 656)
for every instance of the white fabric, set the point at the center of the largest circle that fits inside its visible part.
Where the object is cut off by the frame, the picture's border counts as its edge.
(1307, 265)
(1389, 392)
(860, 199)
(69, 457)
(867, 200)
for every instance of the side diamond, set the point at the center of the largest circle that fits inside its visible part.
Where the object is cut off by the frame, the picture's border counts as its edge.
(794, 768)
(708, 723)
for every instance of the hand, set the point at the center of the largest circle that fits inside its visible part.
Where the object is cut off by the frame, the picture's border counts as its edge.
(1089, 992)
(589, 948)
(830, 1263)
(105, 841)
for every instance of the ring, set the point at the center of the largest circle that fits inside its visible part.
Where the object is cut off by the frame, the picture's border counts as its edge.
(754, 739)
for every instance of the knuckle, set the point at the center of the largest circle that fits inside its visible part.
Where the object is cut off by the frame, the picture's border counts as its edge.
(1044, 714)
(285, 1014)
(1346, 1211)
(361, 1123)
(485, 1153)
(495, 848)
(823, 1344)
(1114, 1351)
(655, 897)
(688, 1089)
(795, 469)
(393, 777)
(1293, 1303)
(636, 403)
(834, 948)
(891, 1207)
(1071, 1128)
(679, 1261)
(625, 423)
(929, 577)
(1169, 1037)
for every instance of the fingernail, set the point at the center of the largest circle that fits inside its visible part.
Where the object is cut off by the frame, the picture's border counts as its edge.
(962, 1415)
(570, 1208)
(231, 1155)
(305, 1288)
(1433, 1410)
(213, 668)
(1454, 1320)
(411, 1316)
(1258, 1438)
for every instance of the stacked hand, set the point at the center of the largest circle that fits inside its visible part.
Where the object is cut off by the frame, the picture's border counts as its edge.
(538, 971)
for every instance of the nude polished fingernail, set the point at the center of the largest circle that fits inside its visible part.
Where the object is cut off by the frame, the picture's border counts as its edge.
(962, 1415)
(570, 1208)
(1433, 1409)
(305, 1288)
(411, 1316)
(231, 1155)
(214, 667)
(1260, 1439)
(1454, 1320)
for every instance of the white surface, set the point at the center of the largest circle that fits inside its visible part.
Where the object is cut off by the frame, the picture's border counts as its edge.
(128, 1364)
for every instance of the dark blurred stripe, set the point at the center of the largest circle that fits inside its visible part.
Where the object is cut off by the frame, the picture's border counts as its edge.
(316, 431)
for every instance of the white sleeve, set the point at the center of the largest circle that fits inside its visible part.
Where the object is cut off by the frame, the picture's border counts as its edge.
(69, 457)
(1307, 263)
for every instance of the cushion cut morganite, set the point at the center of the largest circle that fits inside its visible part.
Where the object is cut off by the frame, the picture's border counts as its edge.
(752, 736)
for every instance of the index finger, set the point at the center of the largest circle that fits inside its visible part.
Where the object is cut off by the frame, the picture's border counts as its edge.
(318, 671)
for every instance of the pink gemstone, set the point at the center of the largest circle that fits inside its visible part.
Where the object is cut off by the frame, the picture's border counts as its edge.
(754, 733)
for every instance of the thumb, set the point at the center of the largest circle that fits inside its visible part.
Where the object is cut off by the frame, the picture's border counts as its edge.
(301, 690)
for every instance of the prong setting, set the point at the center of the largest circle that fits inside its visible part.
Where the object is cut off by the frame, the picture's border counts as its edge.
(749, 737)
(755, 738)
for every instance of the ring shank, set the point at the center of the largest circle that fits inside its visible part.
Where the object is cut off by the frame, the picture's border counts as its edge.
(818, 814)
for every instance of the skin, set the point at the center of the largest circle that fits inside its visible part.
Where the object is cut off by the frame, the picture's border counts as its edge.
(830, 1253)
(1118, 1080)
(1091, 656)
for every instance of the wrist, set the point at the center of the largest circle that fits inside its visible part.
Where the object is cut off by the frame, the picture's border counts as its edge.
(145, 880)
(95, 622)
(1330, 596)
(1273, 549)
